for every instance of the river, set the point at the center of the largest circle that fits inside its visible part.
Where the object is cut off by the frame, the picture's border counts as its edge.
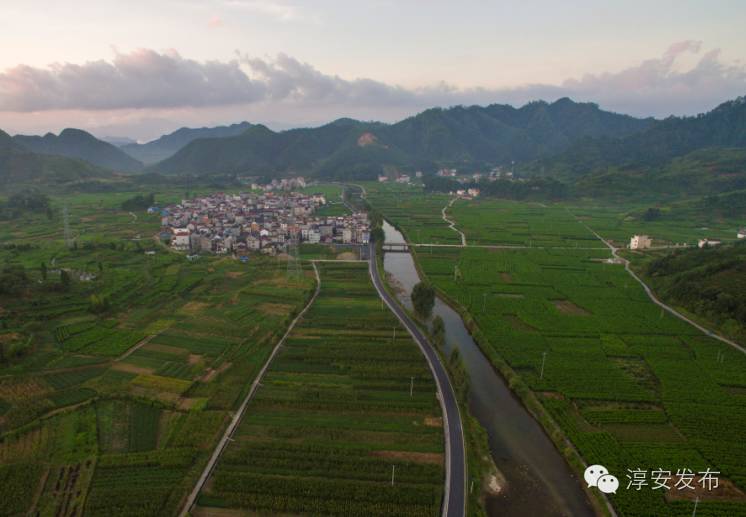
(538, 480)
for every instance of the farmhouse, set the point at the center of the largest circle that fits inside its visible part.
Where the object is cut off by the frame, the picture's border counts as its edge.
(640, 242)
(707, 243)
(180, 239)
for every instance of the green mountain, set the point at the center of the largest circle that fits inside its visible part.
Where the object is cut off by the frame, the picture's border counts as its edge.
(494, 134)
(19, 166)
(708, 282)
(500, 133)
(723, 127)
(169, 144)
(74, 143)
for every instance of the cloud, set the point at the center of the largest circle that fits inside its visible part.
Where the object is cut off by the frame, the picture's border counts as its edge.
(658, 86)
(277, 10)
(215, 22)
(140, 79)
(146, 79)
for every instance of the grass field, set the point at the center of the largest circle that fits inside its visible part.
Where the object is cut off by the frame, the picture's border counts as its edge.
(631, 386)
(334, 415)
(112, 409)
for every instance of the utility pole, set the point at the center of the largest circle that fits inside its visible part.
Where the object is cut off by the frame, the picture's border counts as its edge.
(543, 360)
(696, 502)
(411, 386)
(393, 470)
(394, 338)
(484, 302)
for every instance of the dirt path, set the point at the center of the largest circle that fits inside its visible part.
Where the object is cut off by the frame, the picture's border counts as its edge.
(227, 436)
(136, 347)
(452, 224)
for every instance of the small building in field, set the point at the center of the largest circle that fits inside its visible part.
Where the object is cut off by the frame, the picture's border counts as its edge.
(708, 243)
(741, 233)
(640, 242)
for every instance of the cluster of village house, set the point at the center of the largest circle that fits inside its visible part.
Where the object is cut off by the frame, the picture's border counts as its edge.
(266, 222)
(641, 242)
(493, 175)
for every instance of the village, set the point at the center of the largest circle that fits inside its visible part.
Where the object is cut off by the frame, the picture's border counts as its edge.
(267, 222)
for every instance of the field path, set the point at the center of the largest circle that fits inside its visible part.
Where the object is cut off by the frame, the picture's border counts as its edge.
(454, 495)
(655, 300)
(452, 224)
(135, 348)
(227, 436)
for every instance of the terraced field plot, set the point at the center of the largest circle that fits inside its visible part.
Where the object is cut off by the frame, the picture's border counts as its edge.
(115, 412)
(632, 387)
(334, 414)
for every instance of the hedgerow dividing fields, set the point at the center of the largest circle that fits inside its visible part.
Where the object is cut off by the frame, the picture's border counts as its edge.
(86, 429)
(334, 415)
(631, 386)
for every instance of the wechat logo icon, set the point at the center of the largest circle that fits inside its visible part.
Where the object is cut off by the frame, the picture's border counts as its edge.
(598, 476)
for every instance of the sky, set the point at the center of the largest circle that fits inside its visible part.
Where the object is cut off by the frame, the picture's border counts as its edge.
(140, 68)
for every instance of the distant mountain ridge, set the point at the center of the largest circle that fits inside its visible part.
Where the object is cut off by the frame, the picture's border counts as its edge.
(723, 127)
(75, 143)
(167, 145)
(493, 134)
(18, 165)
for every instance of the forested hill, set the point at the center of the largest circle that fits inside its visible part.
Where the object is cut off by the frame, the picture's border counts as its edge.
(167, 145)
(75, 143)
(708, 282)
(18, 165)
(460, 135)
(723, 127)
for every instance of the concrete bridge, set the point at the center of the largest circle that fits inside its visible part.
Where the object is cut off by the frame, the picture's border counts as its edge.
(396, 248)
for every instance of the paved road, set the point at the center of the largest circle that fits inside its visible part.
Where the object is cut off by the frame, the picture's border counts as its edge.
(454, 497)
(227, 436)
(655, 300)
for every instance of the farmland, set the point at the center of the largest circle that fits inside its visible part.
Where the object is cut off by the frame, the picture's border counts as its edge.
(631, 386)
(118, 378)
(415, 213)
(488, 221)
(334, 416)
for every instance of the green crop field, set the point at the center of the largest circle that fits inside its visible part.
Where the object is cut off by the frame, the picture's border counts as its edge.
(416, 214)
(111, 408)
(334, 415)
(631, 386)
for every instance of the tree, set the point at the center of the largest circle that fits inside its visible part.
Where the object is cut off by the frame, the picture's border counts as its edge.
(423, 299)
(651, 214)
(65, 279)
(438, 332)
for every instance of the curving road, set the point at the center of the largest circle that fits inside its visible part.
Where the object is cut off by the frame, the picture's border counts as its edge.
(615, 253)
(454, 496)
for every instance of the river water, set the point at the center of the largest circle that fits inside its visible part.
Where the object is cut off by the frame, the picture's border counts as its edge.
(538, 481)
